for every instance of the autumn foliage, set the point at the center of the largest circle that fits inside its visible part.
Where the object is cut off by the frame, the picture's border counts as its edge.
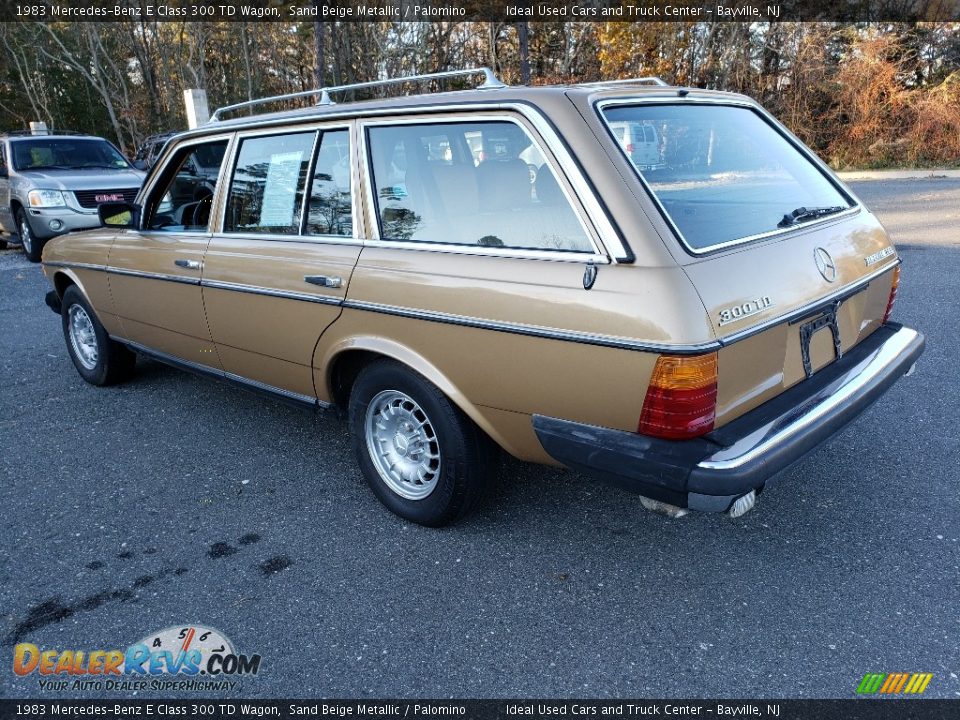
(861, 95)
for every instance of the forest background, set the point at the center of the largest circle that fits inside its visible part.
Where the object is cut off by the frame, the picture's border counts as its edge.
(866, 95)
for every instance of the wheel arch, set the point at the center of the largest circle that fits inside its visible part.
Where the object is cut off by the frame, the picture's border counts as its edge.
(63, 278)
(342, 363)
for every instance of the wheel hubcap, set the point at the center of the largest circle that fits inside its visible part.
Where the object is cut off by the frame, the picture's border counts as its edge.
(403, 444)
(83, 338)
(26, 240)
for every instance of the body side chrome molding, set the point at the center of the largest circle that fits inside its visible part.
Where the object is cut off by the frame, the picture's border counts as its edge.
(124, 271)
(74, 266)
(245, 383)
(257, 290)
(216, 284)
(536, 330)
(152, 276)
(531, 330)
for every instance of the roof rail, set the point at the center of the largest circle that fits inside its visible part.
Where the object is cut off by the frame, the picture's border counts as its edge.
(490, 82)
(650, 80)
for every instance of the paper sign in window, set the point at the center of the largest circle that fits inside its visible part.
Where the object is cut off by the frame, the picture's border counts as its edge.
(280, 190)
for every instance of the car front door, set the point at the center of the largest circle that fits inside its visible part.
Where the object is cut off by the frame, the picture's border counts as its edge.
(155, 271)
(276, 273)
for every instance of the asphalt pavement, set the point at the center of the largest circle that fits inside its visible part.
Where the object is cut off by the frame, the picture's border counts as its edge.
(174, 500)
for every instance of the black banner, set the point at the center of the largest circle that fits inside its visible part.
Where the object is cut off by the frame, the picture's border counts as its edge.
(853, 709)
(478, 10)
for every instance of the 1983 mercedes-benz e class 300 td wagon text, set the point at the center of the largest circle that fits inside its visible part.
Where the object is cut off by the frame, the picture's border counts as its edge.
(683, 329)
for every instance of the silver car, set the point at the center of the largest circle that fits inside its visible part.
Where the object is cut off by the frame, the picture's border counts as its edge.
(52, 184)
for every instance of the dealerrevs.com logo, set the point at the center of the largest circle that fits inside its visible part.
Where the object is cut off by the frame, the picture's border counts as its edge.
(189, 657)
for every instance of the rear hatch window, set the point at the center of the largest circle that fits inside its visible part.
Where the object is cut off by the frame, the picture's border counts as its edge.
(725, 175)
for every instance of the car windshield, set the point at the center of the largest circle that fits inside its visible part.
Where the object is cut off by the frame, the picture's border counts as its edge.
(66, 154)
(722, 173)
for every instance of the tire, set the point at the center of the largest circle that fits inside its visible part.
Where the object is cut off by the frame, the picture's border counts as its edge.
(98, 359)
(31, 244)
(442, 462)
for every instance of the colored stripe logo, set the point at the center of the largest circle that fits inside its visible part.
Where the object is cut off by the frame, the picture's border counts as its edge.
(894, 683)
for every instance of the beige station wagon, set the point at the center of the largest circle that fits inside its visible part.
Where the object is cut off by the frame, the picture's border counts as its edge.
(682, 329)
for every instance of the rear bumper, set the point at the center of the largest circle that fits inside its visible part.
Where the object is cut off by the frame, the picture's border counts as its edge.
(710, 472)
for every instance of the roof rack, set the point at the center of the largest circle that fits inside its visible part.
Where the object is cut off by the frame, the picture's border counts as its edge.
(490, 82)
(650, 80)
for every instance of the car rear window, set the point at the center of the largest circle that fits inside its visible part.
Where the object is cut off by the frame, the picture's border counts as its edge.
(723, 174)
(464, 183)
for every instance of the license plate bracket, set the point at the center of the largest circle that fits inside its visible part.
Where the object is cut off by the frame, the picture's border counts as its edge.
(826, 319)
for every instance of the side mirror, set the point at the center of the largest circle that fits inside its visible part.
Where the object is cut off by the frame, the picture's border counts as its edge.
(141, 165)
(119, 214)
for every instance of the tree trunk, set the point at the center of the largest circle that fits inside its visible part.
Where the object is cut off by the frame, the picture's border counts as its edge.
(523, 30)
(320, 63)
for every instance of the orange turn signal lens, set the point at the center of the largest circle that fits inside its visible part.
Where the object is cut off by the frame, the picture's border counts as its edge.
(681, 400)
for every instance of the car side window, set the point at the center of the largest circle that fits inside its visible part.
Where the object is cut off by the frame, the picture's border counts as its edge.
(468, 183)
(267, 187)
(330, 211)
(182, 198)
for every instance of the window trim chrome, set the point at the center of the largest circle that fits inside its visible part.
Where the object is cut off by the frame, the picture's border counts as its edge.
(810, 156)
(318, 127)
(601, 218)
(480, 116)
(161, 165)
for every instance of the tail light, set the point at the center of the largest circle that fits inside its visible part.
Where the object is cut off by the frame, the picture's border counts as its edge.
(681, 401)
(893, 293)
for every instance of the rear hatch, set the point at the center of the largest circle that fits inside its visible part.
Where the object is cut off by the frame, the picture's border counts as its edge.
(782, 316)
(792, 270)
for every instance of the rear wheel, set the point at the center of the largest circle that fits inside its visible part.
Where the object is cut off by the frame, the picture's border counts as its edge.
(422, 457)
(32, 246)
(98, 359)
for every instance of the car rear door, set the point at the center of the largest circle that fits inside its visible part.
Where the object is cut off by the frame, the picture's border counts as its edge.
(485, 282)
(278, 268)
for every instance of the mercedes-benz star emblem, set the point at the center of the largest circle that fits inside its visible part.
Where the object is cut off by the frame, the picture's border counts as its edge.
(825, 264)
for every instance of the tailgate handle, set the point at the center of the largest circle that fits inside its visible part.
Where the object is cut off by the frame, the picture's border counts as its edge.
(323, 281)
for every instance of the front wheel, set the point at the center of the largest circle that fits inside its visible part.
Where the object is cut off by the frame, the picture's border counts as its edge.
(32, 245)
(422, 457)
(98, 359)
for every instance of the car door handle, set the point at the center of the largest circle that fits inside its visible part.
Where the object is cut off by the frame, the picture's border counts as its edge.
(188, 264)
(323, 281)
